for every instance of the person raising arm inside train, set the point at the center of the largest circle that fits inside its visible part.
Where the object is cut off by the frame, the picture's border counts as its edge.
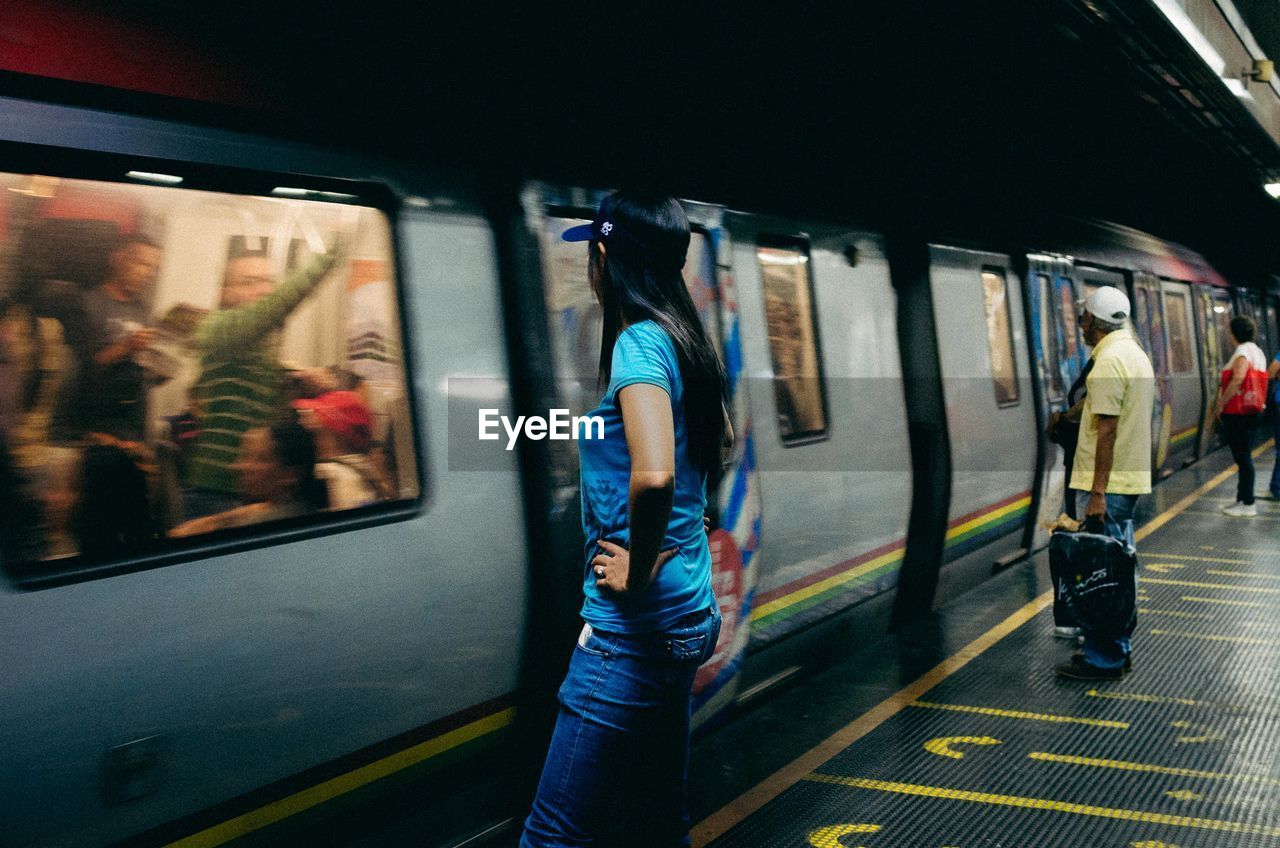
(616, 768)
(241, 381)
(1113, 456)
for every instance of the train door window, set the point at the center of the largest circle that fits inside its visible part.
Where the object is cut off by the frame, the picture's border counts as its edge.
(1071, 332)
(1050, 343)
(1004, 372)
(1222, 318)
(189, 364)
(1177, 309)
(793, 340)
(576, 323)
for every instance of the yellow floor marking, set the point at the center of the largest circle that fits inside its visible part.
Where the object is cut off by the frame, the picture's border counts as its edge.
(1207, 734)
(1164, 581)
(1217, 572)
(1168, 699)
(829, 837)
(1196, 600)
(1152, 844)
(1146, 555)
(1019, 714)
(1149, 768)
(1214, 637)
(771, 787)
(1173, 613)
(942, 745)
(1183, 795)
(1162, 567)
(1046, 804)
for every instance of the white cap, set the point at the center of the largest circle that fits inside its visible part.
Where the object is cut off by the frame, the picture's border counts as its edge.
(1108, 303)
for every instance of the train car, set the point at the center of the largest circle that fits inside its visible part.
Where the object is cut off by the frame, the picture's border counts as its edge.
(188, 668)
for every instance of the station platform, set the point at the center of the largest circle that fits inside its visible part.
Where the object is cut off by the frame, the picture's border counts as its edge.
(956, 732)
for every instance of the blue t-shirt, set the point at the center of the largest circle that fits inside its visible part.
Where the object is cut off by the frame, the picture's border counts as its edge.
(643, 353)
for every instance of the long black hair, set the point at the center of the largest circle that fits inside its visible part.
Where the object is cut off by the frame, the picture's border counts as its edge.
(642, 281)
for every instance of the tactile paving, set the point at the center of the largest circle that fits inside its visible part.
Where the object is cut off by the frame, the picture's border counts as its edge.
(1184, 751)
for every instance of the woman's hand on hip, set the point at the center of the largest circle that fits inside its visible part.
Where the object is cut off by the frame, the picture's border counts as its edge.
(613, 566)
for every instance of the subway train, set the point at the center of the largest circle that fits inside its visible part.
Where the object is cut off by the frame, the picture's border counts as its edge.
(228, 675)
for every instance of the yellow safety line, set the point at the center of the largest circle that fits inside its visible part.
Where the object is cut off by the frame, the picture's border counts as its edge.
(1213, 637)
(1152, 769)
(1223, 601)
(310, 797)
(771, 787)
(994, 711)
(1165, 581)
(1046, 804)
(1218, 572)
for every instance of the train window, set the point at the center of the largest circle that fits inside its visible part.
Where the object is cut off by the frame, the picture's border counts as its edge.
(1176, 310)
(793, 340)
(180, 363)
(995, 300)
(1069, 320)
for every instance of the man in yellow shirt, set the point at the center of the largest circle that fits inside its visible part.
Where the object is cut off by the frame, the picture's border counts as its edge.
(1113, 457)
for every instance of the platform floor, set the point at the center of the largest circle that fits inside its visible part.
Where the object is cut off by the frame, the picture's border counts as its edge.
(957, 733)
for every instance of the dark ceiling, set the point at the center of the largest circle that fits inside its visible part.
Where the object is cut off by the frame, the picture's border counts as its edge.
(1009, 109)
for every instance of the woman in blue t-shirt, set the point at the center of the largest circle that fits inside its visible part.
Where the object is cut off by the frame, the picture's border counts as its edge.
(616, 769)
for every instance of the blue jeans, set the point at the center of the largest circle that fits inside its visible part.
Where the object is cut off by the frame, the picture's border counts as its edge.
(618, 761)
(1118, 524)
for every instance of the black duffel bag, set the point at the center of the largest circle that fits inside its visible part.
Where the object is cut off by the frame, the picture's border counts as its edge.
(1094, 574)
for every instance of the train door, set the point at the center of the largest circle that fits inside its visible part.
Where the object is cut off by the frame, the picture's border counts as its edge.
(991, 418)
(1148, 320)
(829, 425)
(576, 327)
(1183, 375)
(1058, 352)
(1211, 356)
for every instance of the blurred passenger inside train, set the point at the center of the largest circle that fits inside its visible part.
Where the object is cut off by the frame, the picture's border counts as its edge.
(241, 381)
(276, 475)
(112, 516)
(343, 429)
(618, 759)
(1241, 400)
(107, 393)
(1113, 456)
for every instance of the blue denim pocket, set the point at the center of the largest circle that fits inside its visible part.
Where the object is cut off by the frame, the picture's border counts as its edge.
(590, 641)
(687, 648)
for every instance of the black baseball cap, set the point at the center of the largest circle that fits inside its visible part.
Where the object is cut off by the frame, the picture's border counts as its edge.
(631, 239)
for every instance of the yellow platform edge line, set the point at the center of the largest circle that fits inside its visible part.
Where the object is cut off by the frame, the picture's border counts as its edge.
(1046, 804)
(771, 787)
(318, 794)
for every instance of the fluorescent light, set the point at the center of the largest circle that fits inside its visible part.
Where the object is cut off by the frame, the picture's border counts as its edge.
(147, 176)
(1189, 31)
(1273, 189)
(311, 194)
